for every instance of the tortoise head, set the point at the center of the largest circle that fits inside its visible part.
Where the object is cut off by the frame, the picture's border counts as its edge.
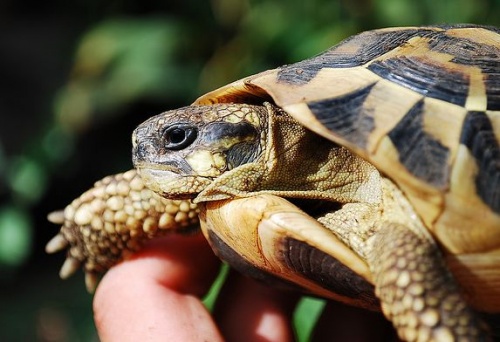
(180, 152)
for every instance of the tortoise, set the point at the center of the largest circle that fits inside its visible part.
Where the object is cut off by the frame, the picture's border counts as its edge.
(368, 174)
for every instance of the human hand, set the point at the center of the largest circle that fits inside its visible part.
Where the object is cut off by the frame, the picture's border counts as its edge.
(155, 296)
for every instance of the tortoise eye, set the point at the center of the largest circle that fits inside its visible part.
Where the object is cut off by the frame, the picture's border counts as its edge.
(179, 136)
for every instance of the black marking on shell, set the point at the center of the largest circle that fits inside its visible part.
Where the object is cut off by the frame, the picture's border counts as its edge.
(466, 51)
(351, 52)
(346, 116)
(422, 155)
(424, 77)
(478, 136)
(327, 272)
(472, 53)
(492, 83)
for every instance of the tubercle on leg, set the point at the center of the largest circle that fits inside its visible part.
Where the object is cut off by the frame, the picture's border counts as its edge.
(417, 291)
(111, 220)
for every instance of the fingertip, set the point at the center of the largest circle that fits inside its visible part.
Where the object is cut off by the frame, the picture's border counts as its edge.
(157, 291)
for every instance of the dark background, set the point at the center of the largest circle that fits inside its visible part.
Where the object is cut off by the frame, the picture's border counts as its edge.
(77, 76)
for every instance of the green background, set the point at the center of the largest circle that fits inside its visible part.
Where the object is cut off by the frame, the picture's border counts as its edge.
(77, 76)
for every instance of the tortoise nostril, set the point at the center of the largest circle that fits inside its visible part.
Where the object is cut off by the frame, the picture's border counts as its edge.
(141, 152)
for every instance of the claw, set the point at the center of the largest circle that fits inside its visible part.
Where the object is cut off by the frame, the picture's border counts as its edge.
(90, 281)
(57, 243)
(56, 217)
(70, 266)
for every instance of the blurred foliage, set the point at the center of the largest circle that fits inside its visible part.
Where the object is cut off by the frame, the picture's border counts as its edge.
(78, 76)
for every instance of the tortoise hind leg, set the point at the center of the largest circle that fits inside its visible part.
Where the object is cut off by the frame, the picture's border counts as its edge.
(417, 291)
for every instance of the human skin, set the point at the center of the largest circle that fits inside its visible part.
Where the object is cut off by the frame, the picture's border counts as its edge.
(155, 296)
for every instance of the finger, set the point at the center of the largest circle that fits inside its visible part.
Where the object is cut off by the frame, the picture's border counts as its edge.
(247, 310)
(155, 295)
(342, 322)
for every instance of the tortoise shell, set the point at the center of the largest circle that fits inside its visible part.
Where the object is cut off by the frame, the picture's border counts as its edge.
(421, 104)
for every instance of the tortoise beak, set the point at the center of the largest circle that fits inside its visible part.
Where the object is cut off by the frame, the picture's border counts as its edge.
(169, 183)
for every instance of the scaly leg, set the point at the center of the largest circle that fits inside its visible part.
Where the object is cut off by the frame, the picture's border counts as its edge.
(111, 220)
(417, 291)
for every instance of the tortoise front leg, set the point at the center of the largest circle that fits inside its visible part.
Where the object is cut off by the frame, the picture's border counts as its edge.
(417, 291)
(113, 219)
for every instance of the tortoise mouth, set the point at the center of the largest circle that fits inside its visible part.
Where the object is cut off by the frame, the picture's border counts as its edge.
(169, 182)
(159, 169)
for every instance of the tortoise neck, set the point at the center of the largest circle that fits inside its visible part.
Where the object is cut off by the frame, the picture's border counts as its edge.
(297, 163)
(302, 164)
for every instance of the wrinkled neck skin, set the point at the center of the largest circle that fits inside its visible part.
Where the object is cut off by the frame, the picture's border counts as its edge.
(297, 163)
